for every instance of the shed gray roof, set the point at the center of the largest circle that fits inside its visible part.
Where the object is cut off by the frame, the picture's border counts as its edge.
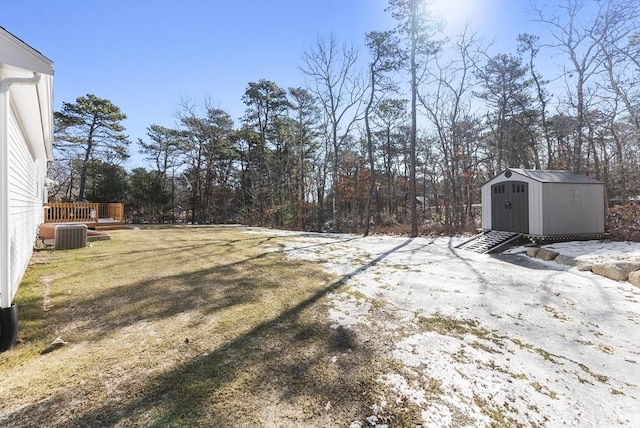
(554, 176)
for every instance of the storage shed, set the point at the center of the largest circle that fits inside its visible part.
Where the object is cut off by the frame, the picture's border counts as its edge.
(543, 203)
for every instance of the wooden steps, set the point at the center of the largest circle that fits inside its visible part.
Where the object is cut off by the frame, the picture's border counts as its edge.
(106, 226)
(95, 235)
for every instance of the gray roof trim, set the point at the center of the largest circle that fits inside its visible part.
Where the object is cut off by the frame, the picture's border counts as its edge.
(554, 176)
(549, 176)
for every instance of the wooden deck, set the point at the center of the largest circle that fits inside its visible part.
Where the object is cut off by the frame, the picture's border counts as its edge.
(105, 216)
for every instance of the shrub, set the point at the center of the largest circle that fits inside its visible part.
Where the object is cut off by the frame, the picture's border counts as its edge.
(623, 222)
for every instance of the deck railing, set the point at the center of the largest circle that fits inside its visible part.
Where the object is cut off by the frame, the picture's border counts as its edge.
(80, 212)
(113, 211)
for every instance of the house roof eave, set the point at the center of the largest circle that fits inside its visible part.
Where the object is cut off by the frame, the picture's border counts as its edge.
(17, 53)
(32, 102)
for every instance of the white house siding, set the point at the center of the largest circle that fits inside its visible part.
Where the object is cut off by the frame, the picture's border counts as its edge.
(26, 119)
(25, 201)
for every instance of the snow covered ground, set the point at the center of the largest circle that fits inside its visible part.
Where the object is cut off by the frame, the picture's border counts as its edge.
(484, 339)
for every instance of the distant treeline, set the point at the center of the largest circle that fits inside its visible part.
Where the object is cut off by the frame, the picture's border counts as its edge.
(417, 122)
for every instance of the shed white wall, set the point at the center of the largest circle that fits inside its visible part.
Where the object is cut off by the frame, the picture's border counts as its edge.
(534, 197)
(536, 223)
(485, 201)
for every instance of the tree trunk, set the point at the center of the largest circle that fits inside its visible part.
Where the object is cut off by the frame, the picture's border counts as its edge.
(372, 178)
(414, 124)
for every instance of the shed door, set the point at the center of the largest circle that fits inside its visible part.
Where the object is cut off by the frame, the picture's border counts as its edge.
(510, 206)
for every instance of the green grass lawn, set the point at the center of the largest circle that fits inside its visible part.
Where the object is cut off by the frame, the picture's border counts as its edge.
(183, 326)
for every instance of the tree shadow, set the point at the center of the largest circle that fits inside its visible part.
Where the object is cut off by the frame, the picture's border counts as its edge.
(228, 281)
(295, 361)
(544, 284)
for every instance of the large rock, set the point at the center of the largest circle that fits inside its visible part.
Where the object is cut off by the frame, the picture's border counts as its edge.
(634, 278)
(566, 260)
(584, 266)
(546, 255)
(532, 251)
(618, 271)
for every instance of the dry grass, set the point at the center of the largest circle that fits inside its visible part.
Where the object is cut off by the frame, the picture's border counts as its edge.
(182, 327)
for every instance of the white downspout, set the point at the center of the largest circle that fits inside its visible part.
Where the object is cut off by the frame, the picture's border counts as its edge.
(5, 247)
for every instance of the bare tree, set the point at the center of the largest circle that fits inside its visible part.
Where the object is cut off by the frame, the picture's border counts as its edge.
(582, 41)
(448, 109)
(336, 83)
(621, 55)
(529, 43)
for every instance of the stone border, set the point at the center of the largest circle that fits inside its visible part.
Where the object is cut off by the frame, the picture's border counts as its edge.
(617, 270)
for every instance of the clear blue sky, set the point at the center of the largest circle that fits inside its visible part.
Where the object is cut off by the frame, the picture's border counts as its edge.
(148, 55)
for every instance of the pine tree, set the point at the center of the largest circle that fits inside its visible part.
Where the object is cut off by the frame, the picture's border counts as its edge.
(90, 129)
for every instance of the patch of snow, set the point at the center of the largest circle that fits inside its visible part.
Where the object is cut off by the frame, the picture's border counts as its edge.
(348, 311)
(436, 415)
(598, 251)
(401, 385)
(536, 343)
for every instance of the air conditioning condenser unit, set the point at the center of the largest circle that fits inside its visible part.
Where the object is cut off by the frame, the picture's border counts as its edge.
(70, 236)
